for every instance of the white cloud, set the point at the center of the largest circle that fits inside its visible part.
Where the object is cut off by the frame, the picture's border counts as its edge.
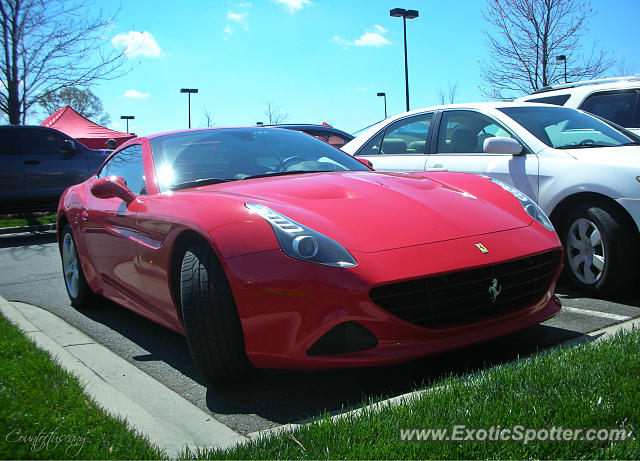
(372, 39)
(380, 29)
(369, 38)
(240, 18)
(135, 94)
(137, 44)
(237, 17)
(293, 5)
(227, 31)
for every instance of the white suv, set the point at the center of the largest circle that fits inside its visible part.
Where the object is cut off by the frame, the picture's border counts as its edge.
(616, 99)
(582, 171)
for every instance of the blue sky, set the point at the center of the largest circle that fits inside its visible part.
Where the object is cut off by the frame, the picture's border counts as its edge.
(317, 60)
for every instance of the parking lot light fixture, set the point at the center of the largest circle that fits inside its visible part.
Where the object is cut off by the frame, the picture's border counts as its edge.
(405, 14)
(189, 91)
(127, 118)
(563, 57)
(384, 95)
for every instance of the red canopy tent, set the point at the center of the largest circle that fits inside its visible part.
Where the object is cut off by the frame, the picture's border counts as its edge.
(85, 131)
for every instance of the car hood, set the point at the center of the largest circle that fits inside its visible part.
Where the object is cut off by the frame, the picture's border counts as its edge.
(621, 155)
(371, 211)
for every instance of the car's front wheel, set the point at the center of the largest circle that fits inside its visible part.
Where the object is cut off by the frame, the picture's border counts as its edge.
(599, 249)
(210, 317)
(78, 289)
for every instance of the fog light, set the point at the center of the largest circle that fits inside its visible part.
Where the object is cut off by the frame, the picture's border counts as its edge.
(306, 246)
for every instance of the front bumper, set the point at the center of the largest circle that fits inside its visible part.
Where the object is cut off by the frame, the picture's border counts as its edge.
(286, 305)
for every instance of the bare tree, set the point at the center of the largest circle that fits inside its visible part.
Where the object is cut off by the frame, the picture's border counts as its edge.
(207, 117)
(529, 36)
(623, 68)
(274, 113)
(448, 97)
(50, 45)
(85, 102)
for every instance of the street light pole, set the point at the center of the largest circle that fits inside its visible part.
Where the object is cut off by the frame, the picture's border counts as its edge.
(384, 95)
(405, 14)
(562, 57)
(127, 118)
(189, 91)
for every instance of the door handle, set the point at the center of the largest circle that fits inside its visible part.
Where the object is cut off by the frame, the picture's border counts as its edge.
(31, 162)
(437, 168)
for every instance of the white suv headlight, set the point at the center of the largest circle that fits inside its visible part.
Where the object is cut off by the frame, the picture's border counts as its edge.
(301, 242)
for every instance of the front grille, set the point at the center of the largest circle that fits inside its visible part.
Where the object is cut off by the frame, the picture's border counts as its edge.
(462, 298)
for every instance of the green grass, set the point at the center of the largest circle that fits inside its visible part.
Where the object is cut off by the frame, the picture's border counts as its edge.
(592, 386)
(39, 399)
(28, 219)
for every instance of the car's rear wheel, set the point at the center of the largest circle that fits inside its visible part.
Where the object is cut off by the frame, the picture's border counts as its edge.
(210, 317)
(599, 249)
(78, 289)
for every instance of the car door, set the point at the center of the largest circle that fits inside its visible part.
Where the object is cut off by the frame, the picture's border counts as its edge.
(12, 171)
(51, 165)
(109, 230)
(459, 146)
(401, 146)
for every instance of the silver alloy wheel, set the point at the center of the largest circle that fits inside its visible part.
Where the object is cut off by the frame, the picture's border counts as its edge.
(585, 251)
(70, 265)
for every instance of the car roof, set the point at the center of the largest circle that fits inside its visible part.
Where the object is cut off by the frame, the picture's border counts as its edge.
(614, 82)
(308, 126)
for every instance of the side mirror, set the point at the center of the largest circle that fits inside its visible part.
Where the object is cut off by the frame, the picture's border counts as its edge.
(69, 146)
(501, 145)
(112, 186)
(365, 162)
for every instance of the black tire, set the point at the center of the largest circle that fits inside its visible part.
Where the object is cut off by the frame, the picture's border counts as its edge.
(210, 317)
(78, 289)
(600, 249)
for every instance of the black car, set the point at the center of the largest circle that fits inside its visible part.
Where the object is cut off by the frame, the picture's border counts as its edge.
(38, 163)
(326, 133)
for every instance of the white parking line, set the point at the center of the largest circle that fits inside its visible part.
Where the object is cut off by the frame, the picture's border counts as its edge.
(605, 315)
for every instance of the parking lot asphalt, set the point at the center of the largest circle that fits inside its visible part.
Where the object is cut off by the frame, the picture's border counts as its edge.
(30, 273)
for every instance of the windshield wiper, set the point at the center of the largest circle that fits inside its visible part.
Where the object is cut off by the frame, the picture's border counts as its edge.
(632, 143)
(198, 182)
(285, 173)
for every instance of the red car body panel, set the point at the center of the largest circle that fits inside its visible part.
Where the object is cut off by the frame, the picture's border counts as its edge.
(398, 227)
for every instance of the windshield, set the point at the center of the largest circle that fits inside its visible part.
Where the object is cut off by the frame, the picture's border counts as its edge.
(566, 128)
(195, 158)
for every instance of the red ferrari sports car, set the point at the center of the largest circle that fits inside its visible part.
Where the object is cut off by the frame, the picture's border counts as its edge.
(268, 248)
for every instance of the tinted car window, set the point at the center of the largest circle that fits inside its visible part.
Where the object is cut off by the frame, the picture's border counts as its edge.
(38, 142)
(8, 144)
(464, 131)
(565, 128)
(557, 100)
(129, 166)
(403, 137)
(242, 153)
(330, 138)
(618, 107)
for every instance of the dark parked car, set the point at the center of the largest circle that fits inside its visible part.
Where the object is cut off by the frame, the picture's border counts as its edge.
(326, 133)
(37, 164)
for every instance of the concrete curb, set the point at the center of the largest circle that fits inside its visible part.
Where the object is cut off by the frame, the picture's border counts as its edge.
(23, 229)
(166, 418)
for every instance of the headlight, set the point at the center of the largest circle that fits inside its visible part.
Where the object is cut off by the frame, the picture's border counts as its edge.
(529, 205)
(301, 242)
